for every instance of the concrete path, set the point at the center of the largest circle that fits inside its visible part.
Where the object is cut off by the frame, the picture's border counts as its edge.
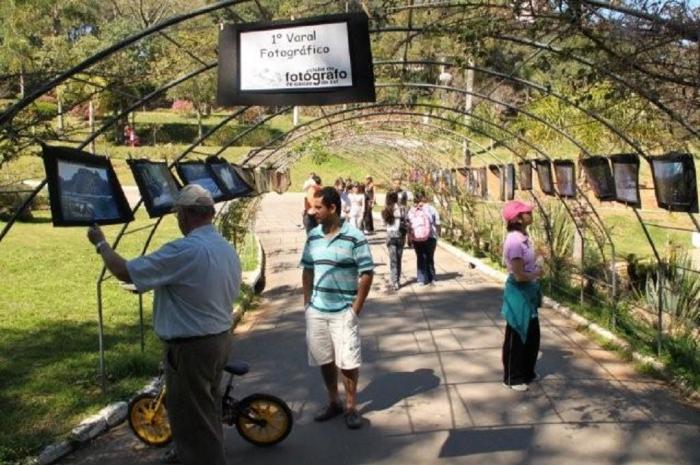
(430, 389)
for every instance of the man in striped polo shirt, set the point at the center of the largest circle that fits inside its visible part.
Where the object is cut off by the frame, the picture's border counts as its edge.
(338, 272)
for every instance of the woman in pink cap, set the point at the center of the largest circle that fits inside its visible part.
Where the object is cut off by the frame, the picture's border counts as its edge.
(521, 299)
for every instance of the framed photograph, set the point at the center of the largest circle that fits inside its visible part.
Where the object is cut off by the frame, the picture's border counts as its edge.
(599, 177)
(83, 189)
(262, 180)
(565, 171)
(325, 60)
(247, 174)
(625, 168)
(198, 172)
(506, 180)
(232, 184)
(675, 182)
(525, 175)
(157, 185)
(482, 187)
(544, 175)
(510, 181)
(281, 180)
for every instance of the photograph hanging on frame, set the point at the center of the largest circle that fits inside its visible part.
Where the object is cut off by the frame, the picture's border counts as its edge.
(544, 175)
(228, 178)
(599, 177)
(482, 184)
(83, 189)
(198, 172)
(625, 168)
(525, 175)
(675, 182)
(565, 172)
(157, 185)
(509, 181)
(282, 180)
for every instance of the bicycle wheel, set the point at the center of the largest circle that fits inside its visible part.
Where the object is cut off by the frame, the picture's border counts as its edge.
(263, 420)
(149, 424)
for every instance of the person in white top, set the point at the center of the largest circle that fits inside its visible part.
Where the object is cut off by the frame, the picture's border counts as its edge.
(357, 206)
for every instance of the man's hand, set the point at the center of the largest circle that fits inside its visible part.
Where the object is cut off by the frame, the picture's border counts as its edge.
(95, 234)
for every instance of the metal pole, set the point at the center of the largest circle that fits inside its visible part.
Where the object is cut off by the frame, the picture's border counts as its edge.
(100, 337)
(659, 263)
(91, 118)
(143, 337)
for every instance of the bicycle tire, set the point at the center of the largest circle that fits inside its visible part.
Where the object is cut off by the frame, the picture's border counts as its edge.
(275, 413)
(150, 425)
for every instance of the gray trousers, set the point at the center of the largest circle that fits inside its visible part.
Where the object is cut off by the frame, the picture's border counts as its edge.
(395, 247)
(193, 372)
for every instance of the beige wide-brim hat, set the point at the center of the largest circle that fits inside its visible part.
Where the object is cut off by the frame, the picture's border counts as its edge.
(194, 195)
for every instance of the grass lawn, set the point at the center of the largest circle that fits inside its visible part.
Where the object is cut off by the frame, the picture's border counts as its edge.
(49, 350)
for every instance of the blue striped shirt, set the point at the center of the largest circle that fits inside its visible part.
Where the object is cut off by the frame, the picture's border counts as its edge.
(337, 264)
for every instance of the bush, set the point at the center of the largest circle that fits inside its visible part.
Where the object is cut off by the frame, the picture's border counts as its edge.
(12, 197)
(183, 106)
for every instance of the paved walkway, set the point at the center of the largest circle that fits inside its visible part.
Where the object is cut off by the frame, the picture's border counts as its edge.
(430, 388)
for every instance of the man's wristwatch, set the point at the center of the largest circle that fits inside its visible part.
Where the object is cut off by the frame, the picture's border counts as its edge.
(100, 244)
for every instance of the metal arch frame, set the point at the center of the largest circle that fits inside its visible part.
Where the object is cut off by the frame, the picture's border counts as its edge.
(97, 57)
(501, 128)
(500, 141)
(101, 130)
(533, 85)
(614, 76)
(10, 113)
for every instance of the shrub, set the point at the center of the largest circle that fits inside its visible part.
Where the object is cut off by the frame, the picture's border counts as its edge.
(183, 106)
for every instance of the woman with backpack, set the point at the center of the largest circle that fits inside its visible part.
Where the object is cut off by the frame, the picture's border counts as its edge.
(394, 216)
(424, 230)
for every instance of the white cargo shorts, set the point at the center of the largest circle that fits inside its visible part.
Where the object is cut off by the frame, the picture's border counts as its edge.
(333, 337)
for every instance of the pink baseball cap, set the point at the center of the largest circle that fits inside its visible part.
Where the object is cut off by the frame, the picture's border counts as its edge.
(513, 208)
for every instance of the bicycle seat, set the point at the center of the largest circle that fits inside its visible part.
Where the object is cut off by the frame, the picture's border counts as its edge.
(237, 368)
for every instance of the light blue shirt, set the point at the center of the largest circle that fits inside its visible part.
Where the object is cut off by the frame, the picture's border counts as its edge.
(196, 280)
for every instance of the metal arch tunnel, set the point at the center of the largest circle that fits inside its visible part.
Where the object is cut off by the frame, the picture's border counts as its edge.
(6, 118)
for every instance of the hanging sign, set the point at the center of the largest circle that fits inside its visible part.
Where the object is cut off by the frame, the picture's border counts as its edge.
(314, 61)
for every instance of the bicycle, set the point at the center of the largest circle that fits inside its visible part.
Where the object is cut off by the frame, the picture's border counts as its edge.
(261, 419)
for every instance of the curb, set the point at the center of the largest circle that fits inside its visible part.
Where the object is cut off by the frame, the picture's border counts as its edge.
(563, 310)
(116, 413)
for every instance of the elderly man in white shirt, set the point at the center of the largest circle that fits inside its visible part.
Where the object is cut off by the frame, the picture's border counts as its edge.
(196, 281)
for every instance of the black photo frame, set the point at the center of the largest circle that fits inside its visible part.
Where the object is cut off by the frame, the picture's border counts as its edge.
(269, 77)
(232, 184)
(262, 180)
(625, 168)
(525, 175)
(675, 182)
(282, 180)
(565, 173)
(157, 185)
(510, 181)
(83, 188)
(599, 177)
(198, 172)
(544, 176)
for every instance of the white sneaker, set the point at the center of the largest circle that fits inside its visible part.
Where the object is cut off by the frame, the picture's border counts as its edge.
(516, 387)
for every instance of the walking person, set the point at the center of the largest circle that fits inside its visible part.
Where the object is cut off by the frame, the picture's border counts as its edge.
(394, 216)
(337, 276)
(368, 221)
(424, 230)
(311, 186)
(344, 199)
(357, 205)
(521, 299)
(196, 280)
